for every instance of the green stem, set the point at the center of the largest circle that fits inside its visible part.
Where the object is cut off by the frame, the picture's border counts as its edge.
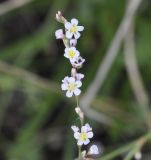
(82, 121)
(129, 147)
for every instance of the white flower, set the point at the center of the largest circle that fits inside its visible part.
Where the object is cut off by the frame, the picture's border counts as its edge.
(78, 62)
(59, 34)
(83, 136)
(73, 29)
(93, 150)
(71, 53)
(72, 86)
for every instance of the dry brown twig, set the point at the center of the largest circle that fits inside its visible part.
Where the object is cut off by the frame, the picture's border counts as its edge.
(11, 5)
(134, 74)
(107, 62)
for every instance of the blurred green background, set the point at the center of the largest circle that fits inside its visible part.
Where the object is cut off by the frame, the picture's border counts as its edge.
(35, 115)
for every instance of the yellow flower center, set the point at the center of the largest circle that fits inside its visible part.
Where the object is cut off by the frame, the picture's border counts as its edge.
(71, 53)
(72, 86)
(83, 136)
(73, 29)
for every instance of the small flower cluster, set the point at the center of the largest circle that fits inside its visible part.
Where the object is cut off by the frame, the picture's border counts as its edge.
(71, 84)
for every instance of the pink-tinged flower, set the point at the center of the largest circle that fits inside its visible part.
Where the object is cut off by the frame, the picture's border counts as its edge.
(73, 29)
(71, 86)
(59, 34)
(73, 42)
(71, 53)
(93, 150)
(83, 136)
(78, 62)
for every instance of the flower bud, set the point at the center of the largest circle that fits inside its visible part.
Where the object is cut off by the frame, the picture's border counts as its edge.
(73, 42)
(138, 156)
(79, 112)
(78, 62)
(60, 18)
(59, 34)
(93, 150)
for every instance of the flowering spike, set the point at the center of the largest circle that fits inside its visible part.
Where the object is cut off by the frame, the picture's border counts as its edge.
(72, 84)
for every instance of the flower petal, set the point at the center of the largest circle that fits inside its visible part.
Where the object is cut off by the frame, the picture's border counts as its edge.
(59, 34)
(80, 143)
(90, 134)
(74, 21)
(64, 86)
(76, 35)
(77, 53)
(77, 92)
(76, 135)
(69, 94)
(78, 83)
(69, 35)
(71, 80)
(86, 142)
(84, 129)
(80, 28)
(75, 128)
(88, 127)
(93, 150)
(68, 25)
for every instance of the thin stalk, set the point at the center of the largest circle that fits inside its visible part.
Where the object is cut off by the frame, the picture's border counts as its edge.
(82, 121)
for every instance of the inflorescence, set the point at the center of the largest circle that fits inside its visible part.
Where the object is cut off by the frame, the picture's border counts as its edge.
(71, 84)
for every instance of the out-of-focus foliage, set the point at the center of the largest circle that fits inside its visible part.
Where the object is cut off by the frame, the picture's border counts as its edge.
(35, 117)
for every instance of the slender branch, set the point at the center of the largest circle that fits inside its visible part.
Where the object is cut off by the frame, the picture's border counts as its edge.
(137, 147)
(29, 77)
(107, 62)
(134, 74)
(129, 147)
(11, 5)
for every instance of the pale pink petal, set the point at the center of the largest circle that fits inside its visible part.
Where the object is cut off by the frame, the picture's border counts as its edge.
(59, 34)
(75, 128)
(78, 83)
(72, 60)
(77, 92)
(86, 142)
(76, 35)
(77, 53)
(90, 134)
(71, 80)
(76, 135)
(88, 127)
(69, 94)
(73, 48)
(66, 50)
(93, 150)
(84, 129)
(68, 25)
(65, 80)
(79, 76)
(69, 35)
(80, 28)
(80, 143)
(74, 21)
(64, 86)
